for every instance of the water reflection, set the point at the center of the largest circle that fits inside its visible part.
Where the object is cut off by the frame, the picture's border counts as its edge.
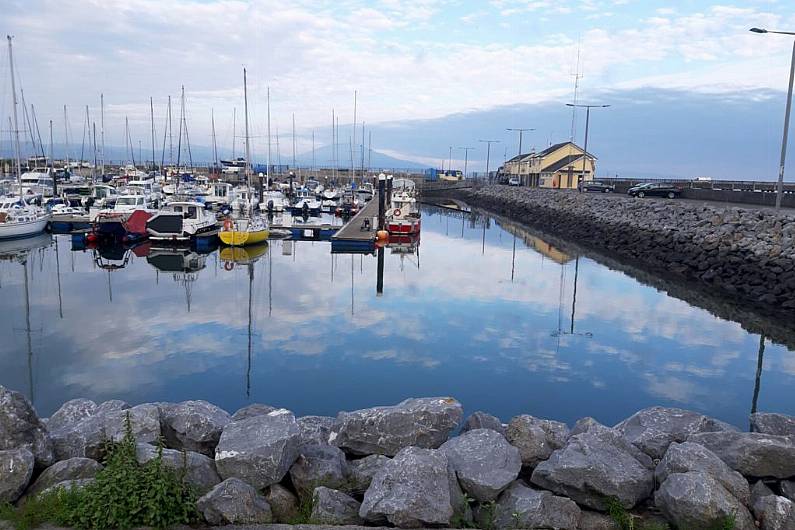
(505, 319)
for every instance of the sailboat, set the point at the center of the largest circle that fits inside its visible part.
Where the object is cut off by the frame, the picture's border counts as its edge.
(251, 228)
(17, 217)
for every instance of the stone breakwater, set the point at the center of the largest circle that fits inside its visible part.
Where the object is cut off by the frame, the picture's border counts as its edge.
(421, 464)
(743, 252)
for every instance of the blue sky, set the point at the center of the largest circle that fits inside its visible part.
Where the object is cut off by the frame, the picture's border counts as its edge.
(409, 59)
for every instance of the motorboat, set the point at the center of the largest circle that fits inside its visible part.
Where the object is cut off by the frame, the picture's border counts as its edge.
(305, 202)
(244, 200)
(126, 221)
(182, 221)
(274, 201)
(38, 181)
(20, 219)
(219, 194)
(403, 216)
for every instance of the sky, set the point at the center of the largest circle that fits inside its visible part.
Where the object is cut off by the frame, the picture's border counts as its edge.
(408, 60)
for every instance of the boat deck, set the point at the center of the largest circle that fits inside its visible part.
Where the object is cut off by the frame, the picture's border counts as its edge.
(352, 237)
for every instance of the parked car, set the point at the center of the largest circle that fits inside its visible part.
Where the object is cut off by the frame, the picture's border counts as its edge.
(600, 187)
(513, 181)
(651, 189)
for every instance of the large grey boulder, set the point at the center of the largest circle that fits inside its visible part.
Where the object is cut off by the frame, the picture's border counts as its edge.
(596, 465)
(316, 430)
(772, 423)
(788, 489)
(420, 422)
(586, 424)
(484, 462)
(260, 449)
(655, 428)
(362, 471)
(590, 520)
(759, 490)
(68, 485)
(284, 504)
(482, 420)
(16, 468)
(414, 489)
(234, 502)
(20, 427)
(70, 413)
(87, 437)
(249, 411)
(697, 500)
(200, 470)
(193, 425)
(71, 469)
(535, 438)
(752, 454)
(775, 513)
(523, 507)
(690, 456)
(318, 465)
(112, 405)
(334, 507)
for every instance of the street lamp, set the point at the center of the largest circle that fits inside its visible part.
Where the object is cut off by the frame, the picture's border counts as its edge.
(488, 152)
(780, 185)
(520, 131)
(587, 121)
(466, 157)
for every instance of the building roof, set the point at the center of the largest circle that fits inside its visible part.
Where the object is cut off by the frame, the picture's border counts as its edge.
(553, 148)
(563, 162)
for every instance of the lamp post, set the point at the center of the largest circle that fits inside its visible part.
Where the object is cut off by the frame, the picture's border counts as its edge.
(520, 131)
(780, 185)
(488, 152)
(466, 157)
(587, 122)
(450, 163)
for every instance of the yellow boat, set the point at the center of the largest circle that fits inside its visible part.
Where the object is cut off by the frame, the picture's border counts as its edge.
(243, 232)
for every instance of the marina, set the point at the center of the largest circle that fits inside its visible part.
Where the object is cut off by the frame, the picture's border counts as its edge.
(514, 322)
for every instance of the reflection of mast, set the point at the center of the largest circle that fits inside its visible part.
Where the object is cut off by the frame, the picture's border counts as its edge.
(574, 296)
(270, 284)
(351, 284)
(58, 275)
(758, 378)
(513, 258)
(27, 332)
(110, 289)
(248, 366)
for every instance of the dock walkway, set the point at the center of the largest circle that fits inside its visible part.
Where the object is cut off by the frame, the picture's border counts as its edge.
(352, 237)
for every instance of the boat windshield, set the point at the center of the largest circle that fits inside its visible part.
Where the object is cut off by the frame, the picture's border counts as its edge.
(129, 201)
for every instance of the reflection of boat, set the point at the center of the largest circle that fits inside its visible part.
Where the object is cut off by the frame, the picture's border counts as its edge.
(20, 248)
(182, 221)
(243, 255)
(176, 260)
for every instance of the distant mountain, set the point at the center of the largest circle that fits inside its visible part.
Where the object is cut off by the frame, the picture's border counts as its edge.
(204, 155)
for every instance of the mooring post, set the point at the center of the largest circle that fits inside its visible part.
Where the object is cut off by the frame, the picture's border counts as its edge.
(381, 201)
(379, 286)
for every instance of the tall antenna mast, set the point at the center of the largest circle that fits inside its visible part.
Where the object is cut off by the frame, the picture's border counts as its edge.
(102, 133)
(353, 138)
(270, 165)
(248, 153)
(215, 148)
(577, 77)
(16, 122)
(66, 135)
(152, 119)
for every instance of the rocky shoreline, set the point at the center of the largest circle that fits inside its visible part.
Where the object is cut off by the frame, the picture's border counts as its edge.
(744, 253)
(421, 464)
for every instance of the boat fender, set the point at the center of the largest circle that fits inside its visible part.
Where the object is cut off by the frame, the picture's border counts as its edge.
(229, 265)
(227, 224)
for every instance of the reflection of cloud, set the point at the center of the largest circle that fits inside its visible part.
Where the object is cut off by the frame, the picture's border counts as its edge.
(402, 357)
(671, 388)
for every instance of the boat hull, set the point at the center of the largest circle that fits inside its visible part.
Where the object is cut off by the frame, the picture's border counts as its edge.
(240, 238)
(18, 230)
(403, 226)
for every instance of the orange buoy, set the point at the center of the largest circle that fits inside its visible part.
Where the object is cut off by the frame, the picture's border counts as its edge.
(382, 234)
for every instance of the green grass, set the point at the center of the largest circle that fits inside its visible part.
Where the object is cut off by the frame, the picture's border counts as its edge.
(125, 494)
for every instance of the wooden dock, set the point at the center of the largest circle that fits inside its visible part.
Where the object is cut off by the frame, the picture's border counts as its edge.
(353, 237)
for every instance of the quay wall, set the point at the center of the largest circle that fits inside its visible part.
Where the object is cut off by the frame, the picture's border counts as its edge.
(743, 253)
(419, 463)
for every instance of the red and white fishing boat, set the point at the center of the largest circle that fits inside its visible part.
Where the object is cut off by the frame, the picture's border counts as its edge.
(403, 216)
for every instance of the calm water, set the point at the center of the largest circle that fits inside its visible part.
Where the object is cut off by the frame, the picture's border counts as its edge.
(488, 321)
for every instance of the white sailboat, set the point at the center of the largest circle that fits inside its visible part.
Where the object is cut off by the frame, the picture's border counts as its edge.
(17, 217)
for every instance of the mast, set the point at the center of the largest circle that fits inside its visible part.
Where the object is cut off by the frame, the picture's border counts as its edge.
(185, 120)
(36, 125)
(52, 166)
(234, 130)
(294, 164)
(179, 139)
(86, 131)
(165, 134)
(16, 122)
(66, 136)
(248, 149)
(170, 136)
(333, 146)
(215, 149)
(94, 167)
(27, 120)
(353, 138)
(313, 150)
(269, 135)
(102, 133)
(152, 119)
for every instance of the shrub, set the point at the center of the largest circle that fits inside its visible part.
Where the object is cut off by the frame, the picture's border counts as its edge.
(125, 494)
